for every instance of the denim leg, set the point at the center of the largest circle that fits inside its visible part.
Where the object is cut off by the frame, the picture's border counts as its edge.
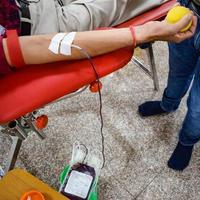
(182, 61)
(184, 2)
(190, 132)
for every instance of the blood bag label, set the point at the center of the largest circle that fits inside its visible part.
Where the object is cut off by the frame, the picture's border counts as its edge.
(78, 184)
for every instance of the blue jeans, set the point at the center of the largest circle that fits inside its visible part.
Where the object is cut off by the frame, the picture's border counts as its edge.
(184, 62)
(184, 2)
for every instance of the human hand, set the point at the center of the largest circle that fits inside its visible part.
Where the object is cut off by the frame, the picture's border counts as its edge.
(164, 31)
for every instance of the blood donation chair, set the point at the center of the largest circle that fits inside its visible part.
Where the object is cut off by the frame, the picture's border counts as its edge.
(28, 89)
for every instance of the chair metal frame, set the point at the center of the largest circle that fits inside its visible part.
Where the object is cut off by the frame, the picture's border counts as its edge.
(152, 73)
(19, 130)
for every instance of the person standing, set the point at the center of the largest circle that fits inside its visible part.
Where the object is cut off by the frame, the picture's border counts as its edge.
(184, 66)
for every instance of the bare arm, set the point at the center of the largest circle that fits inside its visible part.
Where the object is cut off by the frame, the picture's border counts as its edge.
(35, 48)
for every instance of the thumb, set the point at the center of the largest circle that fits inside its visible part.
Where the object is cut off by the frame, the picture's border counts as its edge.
(181, 24)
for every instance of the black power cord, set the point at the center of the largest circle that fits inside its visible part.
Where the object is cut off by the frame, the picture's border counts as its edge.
(83, 51)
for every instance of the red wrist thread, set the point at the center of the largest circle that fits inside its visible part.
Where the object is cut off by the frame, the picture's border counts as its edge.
(132, 29)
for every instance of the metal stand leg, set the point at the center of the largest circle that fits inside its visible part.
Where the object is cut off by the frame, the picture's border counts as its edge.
(141, 66)
(153, 67)
(152, 73)
(30, 120)
(14, 151)
(18, 130)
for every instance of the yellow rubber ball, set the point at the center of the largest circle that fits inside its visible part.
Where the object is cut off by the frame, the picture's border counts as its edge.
(177, 13)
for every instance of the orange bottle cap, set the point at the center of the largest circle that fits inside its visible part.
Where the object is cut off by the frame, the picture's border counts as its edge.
(32, 195)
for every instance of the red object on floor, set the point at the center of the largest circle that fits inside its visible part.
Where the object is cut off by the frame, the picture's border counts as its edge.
(41, 122)
(33, 87)
(95, 86)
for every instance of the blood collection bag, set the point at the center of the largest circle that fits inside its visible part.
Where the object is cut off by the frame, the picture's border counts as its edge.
(79, 182)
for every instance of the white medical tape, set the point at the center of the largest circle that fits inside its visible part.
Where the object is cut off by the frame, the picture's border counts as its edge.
(55, 42)
(66, 43)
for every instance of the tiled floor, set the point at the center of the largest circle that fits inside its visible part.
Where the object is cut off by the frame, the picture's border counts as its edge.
(137, 149)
